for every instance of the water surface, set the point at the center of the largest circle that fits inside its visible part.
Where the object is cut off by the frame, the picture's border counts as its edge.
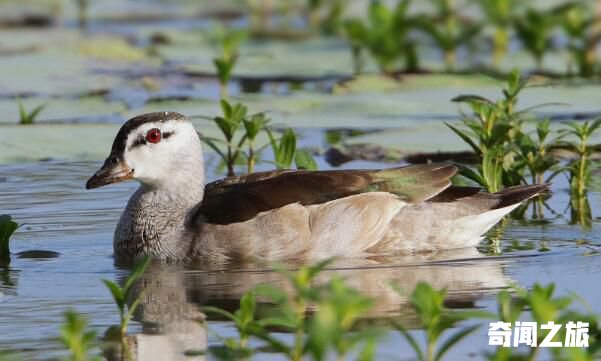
(59, 215)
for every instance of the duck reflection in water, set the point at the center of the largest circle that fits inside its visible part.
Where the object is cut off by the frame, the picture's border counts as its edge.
(172, 296)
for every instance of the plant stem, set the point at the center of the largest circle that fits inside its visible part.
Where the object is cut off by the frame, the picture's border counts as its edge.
(251, 158)
(500, 40)
(430, 351)
(223, 90)
(230, 162)
(449, 59)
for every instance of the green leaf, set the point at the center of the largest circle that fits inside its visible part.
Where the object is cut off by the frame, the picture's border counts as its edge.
(304, 160)
(465, 138)
(220, 312)
(449, 343)
(139, 268)
(411, 340)
(226, 108)
(246, 313)
(469, 98)
(7, 228)
(117, 292)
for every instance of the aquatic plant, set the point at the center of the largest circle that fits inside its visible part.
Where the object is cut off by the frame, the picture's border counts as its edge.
(283, 148)
(246, 324)
(235, 118)
(77, 338)
(544, 307)
(499, 13)
(385, 36)
(492, 131)
(253, 125)
(285, 151)
(7, 228)
(578, 22)
(436, 319)
(227, 42)
(534, 30)
(534, 154)
(122, 295)
(82, 13)
(338, 308)
(579, 170)
(448, 30)
(330, 23)
(28, 117)
(229, 124)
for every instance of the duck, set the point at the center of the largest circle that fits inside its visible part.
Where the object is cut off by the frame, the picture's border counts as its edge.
(285, 215)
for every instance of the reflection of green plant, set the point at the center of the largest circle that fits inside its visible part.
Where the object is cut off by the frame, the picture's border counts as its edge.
(436, 319)
(499, 13)
(121, 295)
(534, 29)
(385, 36)
(7, 228)
(27, 118)
(77, 338)
(448, 30)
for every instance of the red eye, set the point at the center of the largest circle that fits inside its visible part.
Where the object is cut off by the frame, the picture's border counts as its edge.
(153, 135)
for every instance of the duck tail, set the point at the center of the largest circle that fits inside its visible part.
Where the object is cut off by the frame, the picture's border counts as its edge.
(515, 195)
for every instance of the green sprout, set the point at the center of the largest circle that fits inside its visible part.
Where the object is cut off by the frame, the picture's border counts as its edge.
(229, 124)
(330, 23)
(76, 337)
(578, 24)
(492, 131)
(385, 36)
(253, 126)
(285, 151)
(436, 319)
(7, 228)
(579, 170)
(121, 295)
(28, 118)
(227, 42)
(448, 30)
(82, 13)
(499, 13)
(534, 29)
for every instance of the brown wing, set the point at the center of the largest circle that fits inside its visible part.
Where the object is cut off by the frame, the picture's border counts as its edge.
(237, 199)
